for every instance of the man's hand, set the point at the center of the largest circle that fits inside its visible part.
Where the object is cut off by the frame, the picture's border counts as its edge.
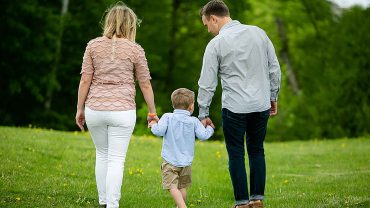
(273, 109)
(207, 121)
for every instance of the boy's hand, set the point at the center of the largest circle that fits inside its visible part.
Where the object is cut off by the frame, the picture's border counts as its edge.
(151, 123)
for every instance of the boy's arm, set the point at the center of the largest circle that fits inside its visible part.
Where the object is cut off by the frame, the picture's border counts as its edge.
(201, 132)
(160, 128)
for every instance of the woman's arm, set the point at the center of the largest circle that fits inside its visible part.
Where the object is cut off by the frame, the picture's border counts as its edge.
(147, 90)
(83, 90)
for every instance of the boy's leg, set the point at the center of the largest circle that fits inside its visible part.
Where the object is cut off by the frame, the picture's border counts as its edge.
(183, 193)
(177, 196)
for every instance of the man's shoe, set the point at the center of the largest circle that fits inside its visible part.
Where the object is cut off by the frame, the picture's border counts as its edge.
(255, 204)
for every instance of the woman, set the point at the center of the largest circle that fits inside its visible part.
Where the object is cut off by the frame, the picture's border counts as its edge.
(106, 97)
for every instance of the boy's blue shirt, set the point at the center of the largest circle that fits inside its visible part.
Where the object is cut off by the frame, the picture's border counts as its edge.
(179, 131)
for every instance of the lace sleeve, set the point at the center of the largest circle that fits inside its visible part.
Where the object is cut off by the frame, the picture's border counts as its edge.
(141, 66)
(87, 62)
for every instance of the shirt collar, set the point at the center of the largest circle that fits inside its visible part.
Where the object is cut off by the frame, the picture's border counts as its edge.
(229, 24)
(181, 111)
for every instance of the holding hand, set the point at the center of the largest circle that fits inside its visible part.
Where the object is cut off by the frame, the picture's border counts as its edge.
(152, 119)
(207, 121)
(151, 123)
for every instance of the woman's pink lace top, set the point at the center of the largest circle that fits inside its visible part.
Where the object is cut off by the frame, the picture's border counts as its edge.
(114, 63)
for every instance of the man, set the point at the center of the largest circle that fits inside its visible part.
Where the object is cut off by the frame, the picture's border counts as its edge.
(244, 58)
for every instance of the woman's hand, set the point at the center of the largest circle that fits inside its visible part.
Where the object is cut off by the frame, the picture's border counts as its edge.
(80, 119)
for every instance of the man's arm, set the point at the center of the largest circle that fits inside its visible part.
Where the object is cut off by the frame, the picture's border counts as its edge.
(207, 80)
(274, 71)
(274, 75)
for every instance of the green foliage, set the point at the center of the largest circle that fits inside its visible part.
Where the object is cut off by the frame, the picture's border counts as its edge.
(328, 54)
(45, 168)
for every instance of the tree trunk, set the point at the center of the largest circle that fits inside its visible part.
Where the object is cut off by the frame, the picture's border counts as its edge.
(284, 54)
(173, 44)
(53, 82)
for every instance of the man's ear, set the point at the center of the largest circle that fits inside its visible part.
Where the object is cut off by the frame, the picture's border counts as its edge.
(213, 18)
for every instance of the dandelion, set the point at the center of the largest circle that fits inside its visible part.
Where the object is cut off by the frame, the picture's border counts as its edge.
(286, 181)
(273, 176)
(49, 197)
(18, 198)
(218, 154)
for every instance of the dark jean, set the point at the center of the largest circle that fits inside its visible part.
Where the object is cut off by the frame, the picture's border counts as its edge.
(254, 126)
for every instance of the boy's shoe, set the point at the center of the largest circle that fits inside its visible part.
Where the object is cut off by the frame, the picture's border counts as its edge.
(255, 204)
(241, 206)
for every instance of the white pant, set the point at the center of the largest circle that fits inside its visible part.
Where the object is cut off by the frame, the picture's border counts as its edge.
(110, 132)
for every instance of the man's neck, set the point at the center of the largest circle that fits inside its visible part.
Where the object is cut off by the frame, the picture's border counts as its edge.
(223, 21)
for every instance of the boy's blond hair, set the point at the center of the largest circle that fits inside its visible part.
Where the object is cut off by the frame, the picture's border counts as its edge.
(182, 98)
(121, 21)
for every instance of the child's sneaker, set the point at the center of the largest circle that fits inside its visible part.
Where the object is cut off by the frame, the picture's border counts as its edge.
(241, 206)
(255, 204)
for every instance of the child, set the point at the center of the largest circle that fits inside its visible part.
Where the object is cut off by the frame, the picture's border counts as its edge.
(179, 130)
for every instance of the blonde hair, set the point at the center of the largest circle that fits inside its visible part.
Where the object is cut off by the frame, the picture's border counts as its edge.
(121, 21)
(182, 98)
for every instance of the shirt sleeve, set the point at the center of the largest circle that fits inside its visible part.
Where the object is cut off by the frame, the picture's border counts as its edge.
(160, 128)
(274, 71)
(87, 62)
(208, 79)
(201, 132)
(141, 65)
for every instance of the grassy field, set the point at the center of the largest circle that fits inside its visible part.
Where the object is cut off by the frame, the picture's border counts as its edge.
(45, 168)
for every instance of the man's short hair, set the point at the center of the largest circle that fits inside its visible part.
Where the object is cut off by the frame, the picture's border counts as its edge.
(215, 7)
(182, 98)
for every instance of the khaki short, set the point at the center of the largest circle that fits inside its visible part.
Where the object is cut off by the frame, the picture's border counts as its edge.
(175, 177)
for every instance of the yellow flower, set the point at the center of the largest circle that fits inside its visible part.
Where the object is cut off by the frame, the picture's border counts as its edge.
(286, 181)
(18, 198)
(218, 154)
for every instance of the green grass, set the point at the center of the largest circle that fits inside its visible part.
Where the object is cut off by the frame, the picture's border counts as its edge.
(45, 168)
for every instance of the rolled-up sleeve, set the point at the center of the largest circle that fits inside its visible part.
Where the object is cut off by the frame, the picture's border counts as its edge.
(141, 65)
(274, 71)
(208, 79)
(87, 61)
